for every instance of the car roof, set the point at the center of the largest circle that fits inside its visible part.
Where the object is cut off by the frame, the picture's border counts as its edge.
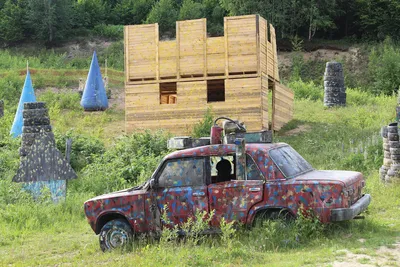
(221, 150)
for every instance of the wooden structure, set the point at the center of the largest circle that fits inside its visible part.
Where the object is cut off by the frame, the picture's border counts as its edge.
(170, 84)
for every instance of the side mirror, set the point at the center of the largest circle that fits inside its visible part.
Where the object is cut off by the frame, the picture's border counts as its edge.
(152, 183)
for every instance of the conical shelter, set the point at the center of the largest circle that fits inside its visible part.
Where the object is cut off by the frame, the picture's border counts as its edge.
(28, 95)
(94, 95)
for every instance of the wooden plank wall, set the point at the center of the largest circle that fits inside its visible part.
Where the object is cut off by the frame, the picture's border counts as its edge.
(192, 36)
(263, 46)
(241, 41)
(264, 102)
(245, 58)
(141, 52)
(283, 106)
(275, 73)
(216, 56)
(244, 49)
(167, 60)
(144, 111)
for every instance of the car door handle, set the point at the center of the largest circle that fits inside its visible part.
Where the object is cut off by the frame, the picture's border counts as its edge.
(255, 189)
(199, 194)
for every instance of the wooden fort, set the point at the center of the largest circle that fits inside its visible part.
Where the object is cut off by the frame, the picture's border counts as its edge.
(171, 83)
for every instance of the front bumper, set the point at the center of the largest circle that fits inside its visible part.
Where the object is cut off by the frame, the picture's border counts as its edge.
(349, 213)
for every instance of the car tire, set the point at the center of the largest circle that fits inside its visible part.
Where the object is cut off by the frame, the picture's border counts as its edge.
(393, 137)
(115, 234)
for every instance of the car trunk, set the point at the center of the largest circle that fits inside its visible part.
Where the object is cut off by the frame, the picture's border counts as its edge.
(353, 182)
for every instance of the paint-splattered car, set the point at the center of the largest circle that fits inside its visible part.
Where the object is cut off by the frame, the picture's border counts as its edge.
(262, 179)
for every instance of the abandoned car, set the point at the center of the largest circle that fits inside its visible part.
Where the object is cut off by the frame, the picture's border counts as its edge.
(236, 180)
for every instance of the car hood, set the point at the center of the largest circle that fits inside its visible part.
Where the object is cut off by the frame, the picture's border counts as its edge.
(346, 177)
(122, 193)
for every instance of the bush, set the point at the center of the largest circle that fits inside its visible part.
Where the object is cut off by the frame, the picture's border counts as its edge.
(112, 32)
(130, 161)
(307, 90)
(62, 100)
(84, 148)
(203, 127)
(384, 68)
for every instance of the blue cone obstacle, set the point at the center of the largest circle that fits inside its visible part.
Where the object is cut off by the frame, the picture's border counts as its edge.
(28, 95)
(94, 95)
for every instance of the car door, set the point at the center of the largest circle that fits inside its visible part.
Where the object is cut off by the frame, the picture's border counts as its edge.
(181, 190)
(233, 199)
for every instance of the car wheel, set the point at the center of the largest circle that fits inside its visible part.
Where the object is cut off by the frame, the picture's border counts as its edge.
(115, 234)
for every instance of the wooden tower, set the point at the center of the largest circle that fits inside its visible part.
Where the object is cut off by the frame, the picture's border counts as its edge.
(170, 84)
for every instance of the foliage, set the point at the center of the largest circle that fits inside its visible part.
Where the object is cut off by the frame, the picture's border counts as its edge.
(49, 20)
(379, 19)
(53, 21)
(203, 127)
(130, 12)
(30, 228)
(89, 13)
(84, 149)
(165, 14)
(112, 32)
(191, 10)
(11, 25)
(308, 90)
(384, 68)
(131, 160)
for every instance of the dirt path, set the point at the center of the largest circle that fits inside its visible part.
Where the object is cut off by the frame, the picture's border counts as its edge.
(384, 256)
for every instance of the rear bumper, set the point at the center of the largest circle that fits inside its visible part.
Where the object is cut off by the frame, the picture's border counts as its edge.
(353, 211)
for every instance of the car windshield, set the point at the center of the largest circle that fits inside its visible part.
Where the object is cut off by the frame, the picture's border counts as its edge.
(289, 161)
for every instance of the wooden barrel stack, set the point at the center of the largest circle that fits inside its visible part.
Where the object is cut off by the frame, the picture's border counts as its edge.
(1, 108)
(390, 171)
(335, 91)
(36, 120)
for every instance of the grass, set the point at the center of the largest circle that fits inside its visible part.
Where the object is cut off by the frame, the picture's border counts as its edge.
(43, 234)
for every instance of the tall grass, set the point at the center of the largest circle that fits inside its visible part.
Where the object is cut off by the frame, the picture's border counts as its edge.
(334, 139)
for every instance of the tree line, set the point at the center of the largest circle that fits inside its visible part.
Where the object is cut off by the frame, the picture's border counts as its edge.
(52, 21)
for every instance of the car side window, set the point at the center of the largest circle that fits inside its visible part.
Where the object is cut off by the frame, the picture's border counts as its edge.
(253, 172)
(182, 172)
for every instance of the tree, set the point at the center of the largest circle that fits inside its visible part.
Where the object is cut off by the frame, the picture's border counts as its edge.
(191, 10)
(49, 20)
(89, 13)
(319, 15)
(379, 18)
(215, 17)
(164, 13)
(11, 25)
(131, 11)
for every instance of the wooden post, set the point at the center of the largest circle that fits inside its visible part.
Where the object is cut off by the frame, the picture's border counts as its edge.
(68, 148)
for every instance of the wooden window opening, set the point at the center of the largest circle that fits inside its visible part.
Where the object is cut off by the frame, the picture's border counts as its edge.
(168, 92)
(216, 91)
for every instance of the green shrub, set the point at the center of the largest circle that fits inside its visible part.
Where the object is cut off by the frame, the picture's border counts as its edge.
(384, 68)
(11, 87)
(203, 127)
(130, 161)
(63, 100)
(307, 90)
(84, 148)
(112, 32)
(114, 55)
